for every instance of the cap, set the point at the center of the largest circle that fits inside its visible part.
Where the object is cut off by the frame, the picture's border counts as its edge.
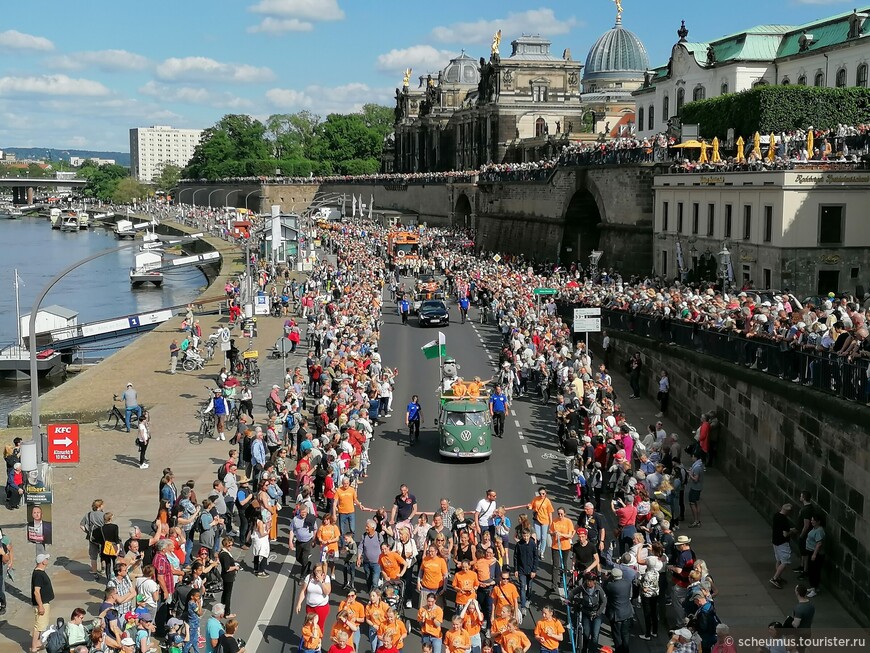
(616, 573)
(140, 598)
(127, 642)
(174, 623)
(582, 531)
(42, 557)
(683, 633)
(129, 615)
(146, 616)
(129, 384)
(683, 539)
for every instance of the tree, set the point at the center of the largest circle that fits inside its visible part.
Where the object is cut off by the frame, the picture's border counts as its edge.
(128, 190)
(292, 134)
(102, 180)
(168, 177)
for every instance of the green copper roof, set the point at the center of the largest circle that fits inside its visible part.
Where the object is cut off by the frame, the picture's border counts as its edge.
(618, 52)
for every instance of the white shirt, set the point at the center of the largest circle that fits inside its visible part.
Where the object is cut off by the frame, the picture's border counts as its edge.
(485, 510)
(315, 594)
(146, 587)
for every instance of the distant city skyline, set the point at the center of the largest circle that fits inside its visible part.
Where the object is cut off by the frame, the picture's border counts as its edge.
(81, 75)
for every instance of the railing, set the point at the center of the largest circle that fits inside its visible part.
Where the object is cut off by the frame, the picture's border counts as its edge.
(539, 175)
(615, 156)
(826, 372)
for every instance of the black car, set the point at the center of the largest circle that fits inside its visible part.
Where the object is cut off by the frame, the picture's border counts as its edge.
(433, 311)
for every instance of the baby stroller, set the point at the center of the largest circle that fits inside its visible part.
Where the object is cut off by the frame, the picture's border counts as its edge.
(393, 594)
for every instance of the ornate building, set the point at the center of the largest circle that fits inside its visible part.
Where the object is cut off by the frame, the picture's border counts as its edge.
(490, 111)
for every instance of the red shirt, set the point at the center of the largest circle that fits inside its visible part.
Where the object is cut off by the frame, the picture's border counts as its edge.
(164, 571)
(600, 454)
(626, 516)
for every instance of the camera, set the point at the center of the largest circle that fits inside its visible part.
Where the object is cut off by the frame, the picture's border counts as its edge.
(241, 642)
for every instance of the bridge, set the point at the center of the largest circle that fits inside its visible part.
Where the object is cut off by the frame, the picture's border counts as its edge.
(22, 187)
(562, 214)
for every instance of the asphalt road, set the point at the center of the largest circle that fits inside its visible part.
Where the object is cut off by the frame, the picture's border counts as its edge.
(265, 606)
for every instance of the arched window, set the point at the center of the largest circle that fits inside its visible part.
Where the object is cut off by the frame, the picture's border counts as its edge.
(640, 116)
(840, 80)
(666, 108)
(681, 99)
(724, 89)
(820, 79)
(861, 77)
(540, 127)
(760, 82)
(699, 93)
(802, 80)
(785, 81)
(652, 117)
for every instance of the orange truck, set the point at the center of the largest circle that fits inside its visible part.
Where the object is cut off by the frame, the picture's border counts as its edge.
(403, 246)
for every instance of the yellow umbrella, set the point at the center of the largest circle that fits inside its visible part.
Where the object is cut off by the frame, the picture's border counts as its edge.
(756, 145)
(810, 144)
(688, 144)
(771, 148)
(703, 157)
(715, 158)
(740, 145)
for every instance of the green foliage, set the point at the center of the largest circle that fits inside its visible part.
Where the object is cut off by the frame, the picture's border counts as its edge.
(778, 108)
(128, 190)
(102, 180)
(168, 177)
(297, 144)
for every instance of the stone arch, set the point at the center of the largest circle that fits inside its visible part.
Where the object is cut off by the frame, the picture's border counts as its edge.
(582, 226)
(462, 215)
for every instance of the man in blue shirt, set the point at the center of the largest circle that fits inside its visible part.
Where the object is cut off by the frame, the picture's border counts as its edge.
(218, 404)
(463, 307)
(412, 420)
(498, 405)
(404, 310)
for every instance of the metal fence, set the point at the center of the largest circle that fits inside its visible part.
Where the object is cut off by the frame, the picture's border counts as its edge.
(826, 372)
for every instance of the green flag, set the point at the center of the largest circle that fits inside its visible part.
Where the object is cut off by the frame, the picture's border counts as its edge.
(436, 348)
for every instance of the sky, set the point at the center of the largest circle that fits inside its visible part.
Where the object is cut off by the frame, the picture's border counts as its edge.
(81, 74)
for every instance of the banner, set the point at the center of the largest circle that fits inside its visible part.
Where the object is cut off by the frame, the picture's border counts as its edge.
(39, 523)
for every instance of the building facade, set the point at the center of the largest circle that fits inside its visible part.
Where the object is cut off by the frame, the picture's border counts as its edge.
(832, 52)
(153, 147)
(805, 230)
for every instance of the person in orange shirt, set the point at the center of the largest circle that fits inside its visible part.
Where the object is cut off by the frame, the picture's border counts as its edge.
(476, 386)
(430, 617)
(459, 389)
(465, 583)
(345, 623)
(549, 631)
(500, 625)
(561, 530)
(472, 621)
(457, 640)
(375, 614)
(515, 640)
(328, 537)
(543, 515)
(343, 506)
(392, 632)
(359, 615)
(393, 565)
(312, 636)
(505, 594)
(432, 577)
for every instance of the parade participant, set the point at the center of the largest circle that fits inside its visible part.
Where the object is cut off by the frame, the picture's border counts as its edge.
(314, 593)
(456, 640)
(413, 417)
(549, 631)
(430, 617)
(498, 407)
(356, 615)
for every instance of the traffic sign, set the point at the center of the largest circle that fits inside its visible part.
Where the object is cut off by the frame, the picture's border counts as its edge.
(496, 258)
(63, 444)
(587, 320)
(544, 291)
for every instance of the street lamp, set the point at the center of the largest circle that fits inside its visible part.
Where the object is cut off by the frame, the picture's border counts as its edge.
(249, 195)
(724, 263)
(212, 193)
(693, 256)
(193, 197)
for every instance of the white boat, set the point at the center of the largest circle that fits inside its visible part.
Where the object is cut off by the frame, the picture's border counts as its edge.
(124, 229)
(147, 269)
(54, 217)
(83, 217)
(69, 223)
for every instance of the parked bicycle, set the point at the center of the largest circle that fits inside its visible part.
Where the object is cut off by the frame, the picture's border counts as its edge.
(115, 419)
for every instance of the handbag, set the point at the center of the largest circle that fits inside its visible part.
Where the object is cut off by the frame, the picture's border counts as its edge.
(109, 548)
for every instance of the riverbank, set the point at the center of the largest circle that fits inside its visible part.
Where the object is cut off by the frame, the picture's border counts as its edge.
(88, 395)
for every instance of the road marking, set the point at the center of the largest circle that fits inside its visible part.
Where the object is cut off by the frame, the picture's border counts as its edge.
(533, 479)
(529, 463)
(521, 436)
(525, 449)
(517, 422)
(513, 412)
(268, 613)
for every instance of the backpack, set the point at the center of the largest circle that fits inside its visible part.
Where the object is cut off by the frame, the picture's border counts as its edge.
(290, 422)
(270, 405)
(178, 606)
(56, 642)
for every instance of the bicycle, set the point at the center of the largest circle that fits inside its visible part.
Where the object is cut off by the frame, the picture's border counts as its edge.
(115, 419)
(206, 425)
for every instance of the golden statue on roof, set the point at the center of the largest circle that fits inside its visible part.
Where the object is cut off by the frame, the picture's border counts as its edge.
(618, 10)
(406, 77)
(496, 41)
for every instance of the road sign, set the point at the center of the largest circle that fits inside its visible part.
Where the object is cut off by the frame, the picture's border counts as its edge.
(544, 291)
(587, 320)
(496, 258)
(63, 444)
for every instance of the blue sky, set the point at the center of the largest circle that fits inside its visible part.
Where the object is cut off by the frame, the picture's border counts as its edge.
(80, 74)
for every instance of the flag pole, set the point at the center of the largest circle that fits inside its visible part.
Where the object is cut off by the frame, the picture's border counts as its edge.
(18, 311)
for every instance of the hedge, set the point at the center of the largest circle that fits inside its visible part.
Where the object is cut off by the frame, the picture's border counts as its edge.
(778, 108)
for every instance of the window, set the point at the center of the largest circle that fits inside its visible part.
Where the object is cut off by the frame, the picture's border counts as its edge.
(768, 225)
(831, 224)
(840, 80)
(747, 222)
(664, 262)
(819, 79)
(540, 127)
(640, 116)
(679, 217)
(696, 209)
(711, 219)
(766, 278)
(802, 80)
(539, 93)
(861, 77)
(681, 99)
(651, 119)
(746, 275)
(665, 207)
(854, 272)
(785, 81)
(724, 89)
(699, 93)
(666, 108)
(728, 214)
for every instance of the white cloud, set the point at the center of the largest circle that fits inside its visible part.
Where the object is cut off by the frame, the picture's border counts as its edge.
(195, 95)
(51, 85)
(270, 25)
(203, 69)
(105, 60)
(310, 9)
(534, 21)
(324, 100)
(421, 58)
(12, 39)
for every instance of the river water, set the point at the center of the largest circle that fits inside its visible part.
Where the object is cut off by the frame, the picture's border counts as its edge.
(98, 290)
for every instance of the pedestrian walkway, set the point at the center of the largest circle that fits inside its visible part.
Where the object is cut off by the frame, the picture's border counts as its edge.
(734, 540)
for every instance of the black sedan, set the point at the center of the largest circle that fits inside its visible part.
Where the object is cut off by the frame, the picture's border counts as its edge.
(433, 312)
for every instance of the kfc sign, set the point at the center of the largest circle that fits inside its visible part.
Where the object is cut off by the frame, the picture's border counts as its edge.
(63, 444)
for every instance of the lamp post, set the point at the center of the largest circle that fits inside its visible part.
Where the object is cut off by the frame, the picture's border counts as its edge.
(212, 193)
(249, 195)
(693, 257)
(34, 378)
(193, 197)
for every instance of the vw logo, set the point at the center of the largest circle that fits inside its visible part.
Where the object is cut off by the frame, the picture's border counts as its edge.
(465, 436)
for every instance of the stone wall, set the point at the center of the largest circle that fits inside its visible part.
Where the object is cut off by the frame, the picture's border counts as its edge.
(777, 438)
